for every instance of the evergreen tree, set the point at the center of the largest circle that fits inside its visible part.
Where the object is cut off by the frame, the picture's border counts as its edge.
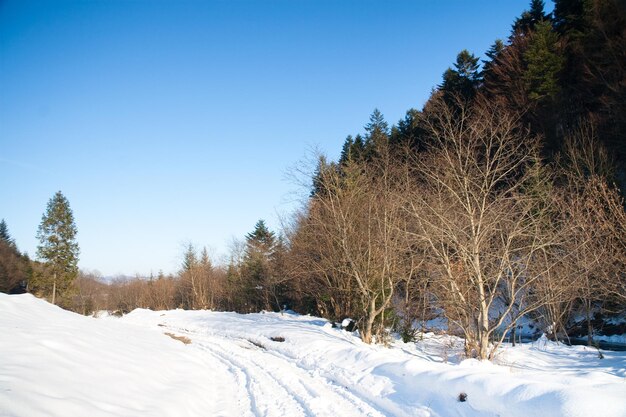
(570, 16)
(205, 260)
(593, 78)
(493, 53)
(353, 150)
(376, 134)
(257, 269)
(190, 260)
(357, 150)
(261, 236)
(544, 63)
(58, 247)
(322, 167)
(463, 80)
(529, 19)
(537, 12)
(408, 132)
(5, 235)
(346, 150)
(15, 268)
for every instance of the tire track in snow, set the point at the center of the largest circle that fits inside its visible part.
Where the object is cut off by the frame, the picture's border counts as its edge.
(305, 392)
(267, 396)
(223, 406)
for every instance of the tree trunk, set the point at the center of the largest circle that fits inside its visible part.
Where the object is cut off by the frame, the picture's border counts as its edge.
(483, 325)
(513, 332)
(366, 333)
(54, 288)
(589, 325)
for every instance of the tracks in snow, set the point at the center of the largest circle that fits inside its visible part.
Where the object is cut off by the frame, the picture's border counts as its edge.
(270, 384)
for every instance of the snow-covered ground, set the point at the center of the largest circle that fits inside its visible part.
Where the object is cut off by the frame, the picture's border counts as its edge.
(56, 363)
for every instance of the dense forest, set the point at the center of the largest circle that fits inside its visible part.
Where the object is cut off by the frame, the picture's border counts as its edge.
(501, 199)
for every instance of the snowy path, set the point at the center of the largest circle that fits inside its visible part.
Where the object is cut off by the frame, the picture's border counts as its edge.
(54, 363)
(274, 385)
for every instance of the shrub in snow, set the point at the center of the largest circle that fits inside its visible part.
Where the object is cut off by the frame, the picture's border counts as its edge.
(407, 332)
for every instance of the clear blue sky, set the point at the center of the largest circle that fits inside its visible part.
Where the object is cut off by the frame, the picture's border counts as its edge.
(165, 122)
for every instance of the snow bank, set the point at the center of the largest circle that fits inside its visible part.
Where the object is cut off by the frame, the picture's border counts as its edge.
(56, 363)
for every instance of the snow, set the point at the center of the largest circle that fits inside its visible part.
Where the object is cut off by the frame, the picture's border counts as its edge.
(616, 339)
(57, 363)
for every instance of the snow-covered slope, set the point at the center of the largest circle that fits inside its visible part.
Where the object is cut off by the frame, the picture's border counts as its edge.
(56, 363)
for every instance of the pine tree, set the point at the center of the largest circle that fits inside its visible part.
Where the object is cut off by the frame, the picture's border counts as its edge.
(493, 53)
(346, 151)
(261, 236)
(205, 260)
(544, 63)
(571, 16)
(5, 235)
(190, 260)
(15, 268)
(408, 132)
(529, 19)
(376, 134)
(357, 150)
(322, 167)
(464, 79)
(537, 11)
(257, 269)
(58, 247)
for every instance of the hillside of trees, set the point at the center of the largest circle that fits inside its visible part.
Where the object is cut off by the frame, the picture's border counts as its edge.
(501, 199)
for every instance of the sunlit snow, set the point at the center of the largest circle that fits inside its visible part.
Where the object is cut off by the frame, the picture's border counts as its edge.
(57, 363)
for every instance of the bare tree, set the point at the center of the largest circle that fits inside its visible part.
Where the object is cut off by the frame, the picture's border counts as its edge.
(479, 211)
(594, 212)
(352, 242)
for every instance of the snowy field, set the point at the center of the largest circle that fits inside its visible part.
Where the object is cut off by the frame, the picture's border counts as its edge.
(57, 363)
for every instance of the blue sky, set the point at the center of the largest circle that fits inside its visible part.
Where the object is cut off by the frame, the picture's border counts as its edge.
(165, 122)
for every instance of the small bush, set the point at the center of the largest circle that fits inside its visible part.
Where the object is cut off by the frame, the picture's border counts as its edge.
(407, 332)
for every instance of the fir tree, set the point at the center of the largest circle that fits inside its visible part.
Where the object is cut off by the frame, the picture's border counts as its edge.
(376, 134)
(257, 267)
(58, 247)
(205, 260)
(322, 167)
(190, 260)
(537, 11)
(5, 235)
(15, 268)
(357, 150)
(346, 150)
(571, 16)
(353, 150)
(493, 53)
(529, 19)
(464, 79)
(408, 132)
(544, 63)
(261, 236)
